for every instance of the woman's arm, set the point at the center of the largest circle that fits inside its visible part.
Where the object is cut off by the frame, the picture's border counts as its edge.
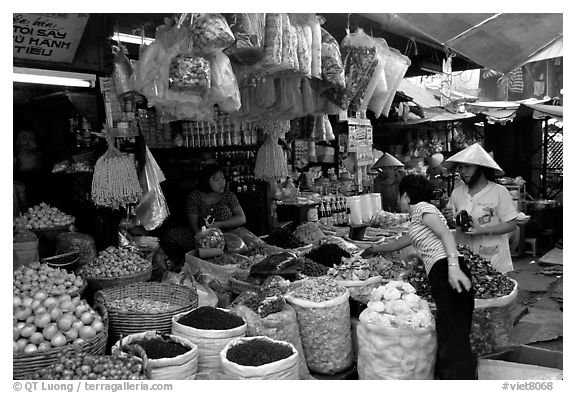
(237, 220)
(194, 221)
(401, 242)
(500, 229)
(458, 280)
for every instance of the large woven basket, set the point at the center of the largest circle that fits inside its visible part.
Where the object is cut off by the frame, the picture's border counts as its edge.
(124, 323)
(26, 363)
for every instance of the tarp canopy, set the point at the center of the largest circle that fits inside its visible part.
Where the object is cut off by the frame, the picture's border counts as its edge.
(501, 42)
(505, 111)
(544, 111)
(432, 115)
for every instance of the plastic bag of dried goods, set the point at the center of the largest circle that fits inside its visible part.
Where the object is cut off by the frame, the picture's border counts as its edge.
(273, 40)
(332, 67)
(211, 31)
(234, 243)
(285, 264)
(395, 67)
(224, 87)
(248, 28)
(360, 61)
(281, 325)
(325, 327)
(395, 353)
(189, 73)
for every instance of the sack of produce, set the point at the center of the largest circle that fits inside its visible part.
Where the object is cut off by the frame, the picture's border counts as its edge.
(224, 87)
(360, 61)
(259, 358)
(284, 238)
(115, 262)
(281, 325)
(210, 329)
(234, 243)
(358, 275)
(285, 264)
(248, 29)
(211, 31)
(395, 67)
(252, 241)
(169, 356)
(396, 335)
(332, 67)
(39, 277)
(75, 241)
(25, 248)
(327, 254)
(189, 73)
(323, 314)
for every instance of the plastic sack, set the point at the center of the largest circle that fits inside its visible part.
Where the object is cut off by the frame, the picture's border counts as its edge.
(395, 353)
(308, 106)
(252, 241)
(209, 237)
(325, 330)
(273, 40)
(284, 264)
(316, 68)
(122, 73)
(209, 342)
(492, 323)
(181, 367)
(360, 290)
(343, 244)
(381, 91)
(283, 369)
(224, 88)
(211, 31)
(304, 48)
(395, 67)
(332, 67)
(378, 81)
(25, 248)
(209, 273)
(234, 243)
(249, 29)
(360, 61)
(152, 210)
(289, 44)
(189, 73)
(282, 326)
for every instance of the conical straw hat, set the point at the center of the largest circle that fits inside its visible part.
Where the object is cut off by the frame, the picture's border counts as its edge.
(386, 160)
(475, 155)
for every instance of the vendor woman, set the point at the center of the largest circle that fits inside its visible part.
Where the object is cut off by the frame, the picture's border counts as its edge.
(211, 201)
(387, 181)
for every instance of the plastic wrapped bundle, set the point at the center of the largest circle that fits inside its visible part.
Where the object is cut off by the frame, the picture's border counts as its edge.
(270, 160)
(395, 67)
(189, 73)
(211, 31)
(249, 30)
(224, 87)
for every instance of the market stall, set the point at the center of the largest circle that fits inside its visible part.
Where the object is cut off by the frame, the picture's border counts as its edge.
(214, 208)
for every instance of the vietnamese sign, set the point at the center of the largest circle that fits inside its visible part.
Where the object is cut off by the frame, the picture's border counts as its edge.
(47, 37)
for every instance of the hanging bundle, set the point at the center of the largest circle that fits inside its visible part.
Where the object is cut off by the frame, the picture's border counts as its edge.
(115, 182)
(270, 160)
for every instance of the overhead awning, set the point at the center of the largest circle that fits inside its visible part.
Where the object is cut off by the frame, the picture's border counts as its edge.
(501, 42)
(546, 111)
(505, 111)
(421, 96)
(432, 115)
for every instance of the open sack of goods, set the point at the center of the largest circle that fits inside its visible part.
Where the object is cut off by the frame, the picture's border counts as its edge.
(495, 297)
(267, 314)
(169, 356)
(48, 327)
(396, 335)
(210, 329)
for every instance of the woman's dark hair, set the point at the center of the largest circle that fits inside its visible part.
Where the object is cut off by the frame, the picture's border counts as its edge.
(489, 173)
(417, 187)
(205, 174)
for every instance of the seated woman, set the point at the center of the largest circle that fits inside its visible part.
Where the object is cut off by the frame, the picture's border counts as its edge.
(210, 199)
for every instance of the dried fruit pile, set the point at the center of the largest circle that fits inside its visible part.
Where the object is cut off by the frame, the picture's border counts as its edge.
(115, 262)
(43, 216)
(328, 254)
(27, 280)
(149, 306)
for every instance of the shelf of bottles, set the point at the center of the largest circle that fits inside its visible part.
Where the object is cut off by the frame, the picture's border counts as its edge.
(333, 210)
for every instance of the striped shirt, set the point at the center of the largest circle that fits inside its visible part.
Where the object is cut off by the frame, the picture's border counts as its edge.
(426, 242)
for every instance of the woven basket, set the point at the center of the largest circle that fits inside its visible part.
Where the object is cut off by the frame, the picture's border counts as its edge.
(98, 283)
(26, 363)
(238, 286)
(125, 323)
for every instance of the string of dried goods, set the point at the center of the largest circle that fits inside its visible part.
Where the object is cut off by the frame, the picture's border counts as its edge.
(210, 318)
(258, 352)
(43, 216)
(115, 262)
(43, 322)
(270, 160)
(149, 306)
(39, 277)
(115, 182)
(81, 365)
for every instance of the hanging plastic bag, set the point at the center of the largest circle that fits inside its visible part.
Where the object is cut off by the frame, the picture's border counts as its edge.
(224, 88)
(289, 45)
(210, 32)
(380, 95)
(307, 95)
(273, 40)
(122, 73)
(378, 78)
(316, 66)
(152, 210)
(332, 67)
(248, 29)
(189, 73)
(395, 67)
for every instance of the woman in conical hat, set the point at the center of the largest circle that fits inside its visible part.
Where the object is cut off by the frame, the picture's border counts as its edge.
(387, 181)
(488, 204)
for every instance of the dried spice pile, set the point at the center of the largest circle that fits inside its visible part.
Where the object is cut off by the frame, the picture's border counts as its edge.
(328, 254)
(210, 318)
(258, 352)
(157, 348)
(282, 237)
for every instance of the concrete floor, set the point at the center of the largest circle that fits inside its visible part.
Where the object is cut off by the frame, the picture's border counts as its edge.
(539, 310)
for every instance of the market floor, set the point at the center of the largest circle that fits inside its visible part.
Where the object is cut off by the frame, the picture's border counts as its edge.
(539, 309)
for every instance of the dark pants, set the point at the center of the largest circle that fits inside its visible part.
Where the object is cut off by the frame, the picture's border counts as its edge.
(454, 310)
(176, 242)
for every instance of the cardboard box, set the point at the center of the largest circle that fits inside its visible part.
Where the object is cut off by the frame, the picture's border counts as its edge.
(521, 362)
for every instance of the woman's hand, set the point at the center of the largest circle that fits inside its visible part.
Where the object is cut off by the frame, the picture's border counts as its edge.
(369, 252)
(458, 280)
(448, 213)
(477, 230)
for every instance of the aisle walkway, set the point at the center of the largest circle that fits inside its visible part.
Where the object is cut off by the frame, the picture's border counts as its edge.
(538, 313)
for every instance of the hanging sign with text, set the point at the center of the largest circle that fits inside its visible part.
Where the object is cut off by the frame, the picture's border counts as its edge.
(47, 37)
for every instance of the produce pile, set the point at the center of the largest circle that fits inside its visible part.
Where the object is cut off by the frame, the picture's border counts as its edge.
(385, 219)
(160, 347)
(149, 306)
(42, 322)
(258, 352)
(282, 237)
(388, 268)
(313, 269)
(319, 289)
(86, 366)
(209, 238)
(227, 259)
(28, 280)
(268, 300)
(75, 241)
(328, 254)
(210, 318)
(308, 233)
(250, 260)
(43, 216)
(396, 304)
(115, 262)
(353, 269)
